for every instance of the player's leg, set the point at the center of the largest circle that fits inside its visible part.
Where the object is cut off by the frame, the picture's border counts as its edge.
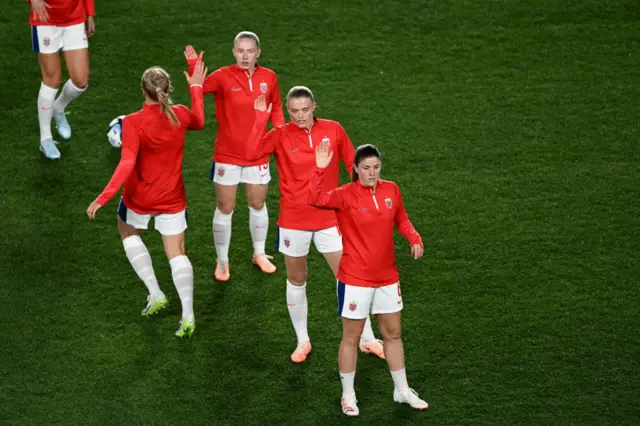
(256, 179)
(353, 307)
(129, 225)
(387, 305)
(47, 42)
(76, 56)
(226, 178)
(294, 245)
(172, 227)
(329, 243)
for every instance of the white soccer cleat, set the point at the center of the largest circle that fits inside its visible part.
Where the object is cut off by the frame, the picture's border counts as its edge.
(349, 405)
(62, 125)
(409, 396)
(49, 149)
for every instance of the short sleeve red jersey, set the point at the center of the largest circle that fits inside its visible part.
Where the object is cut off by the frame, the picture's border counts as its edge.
(151, 164)
(294, 149)
(64, 13)
(235, 91)
(366, 217)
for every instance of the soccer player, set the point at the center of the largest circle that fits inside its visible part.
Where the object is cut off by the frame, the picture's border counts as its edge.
(60, 25)
(235, 88)
(367, 210)
(151, 170)
(298, 224)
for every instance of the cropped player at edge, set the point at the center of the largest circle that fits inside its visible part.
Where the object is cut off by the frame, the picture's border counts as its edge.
(298, 223)
(368, 280)
(235, 88)
(151, 170)
(60, 25)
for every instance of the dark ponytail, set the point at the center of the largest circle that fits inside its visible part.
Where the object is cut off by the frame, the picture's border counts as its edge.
(363, 152)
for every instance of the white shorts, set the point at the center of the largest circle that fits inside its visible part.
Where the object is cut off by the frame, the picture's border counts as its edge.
(51, 39)
(296, 243)
(356, 302)
(229, 174)
(166, 224)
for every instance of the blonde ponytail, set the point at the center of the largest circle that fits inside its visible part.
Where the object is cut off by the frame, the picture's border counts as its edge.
(156, 83)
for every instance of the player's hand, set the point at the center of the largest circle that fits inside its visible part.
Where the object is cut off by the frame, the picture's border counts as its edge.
(417, 251)
(39, 8)
(90, 26)
(190, 53)
(93, 209)
(260, 104)
(199, 74)
(323, 156)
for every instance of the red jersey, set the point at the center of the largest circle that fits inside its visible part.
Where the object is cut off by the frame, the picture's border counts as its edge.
(295, 151)
(366, 217)
(151, 164)
(64, 13)
(235, 91)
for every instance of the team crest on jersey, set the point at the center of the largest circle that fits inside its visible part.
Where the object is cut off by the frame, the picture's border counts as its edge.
(326, 140)
(353, 305)
(221, 171)
(388, 203)
(287, 242)
(46, 41)
(263, 87)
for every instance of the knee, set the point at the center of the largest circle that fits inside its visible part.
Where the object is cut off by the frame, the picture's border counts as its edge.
(81, 82)
(52, 79)
(226, 207)
(297, 278)
(256, 204)
(391, 334)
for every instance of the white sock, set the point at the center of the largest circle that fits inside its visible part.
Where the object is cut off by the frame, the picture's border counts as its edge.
(222, 234)
(182, 273)
(140, 259)
(400, 379)
(259, 226)
(69, 93)
(297, 304)
(347, 380)
(367, 332)
(46, 95)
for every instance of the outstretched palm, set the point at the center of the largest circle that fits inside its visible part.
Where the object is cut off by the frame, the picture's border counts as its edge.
(323, 155)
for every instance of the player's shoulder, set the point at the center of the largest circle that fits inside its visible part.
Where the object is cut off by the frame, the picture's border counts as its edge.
(388, 185)
(325, 122)
(181, 110)
(266, 71)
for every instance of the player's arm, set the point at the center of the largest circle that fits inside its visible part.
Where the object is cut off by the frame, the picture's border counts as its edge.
(259, 146)
(130, 148)
(277, 116)
(195, 81)
(212, 82)
(90, 9)
(332, 200)
(347, 151)
(405, 227)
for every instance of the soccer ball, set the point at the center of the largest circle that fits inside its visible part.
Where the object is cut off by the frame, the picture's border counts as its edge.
(115, 132)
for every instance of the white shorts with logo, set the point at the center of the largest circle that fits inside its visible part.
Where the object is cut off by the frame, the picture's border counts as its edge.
(230, 174)
(296, 243)
(51, 39)
(165, 224)
(356, 302)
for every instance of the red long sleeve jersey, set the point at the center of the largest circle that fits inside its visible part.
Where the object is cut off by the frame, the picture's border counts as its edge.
(151, 164)
(64, 13)
(235, 91)
(294, 149)
(366, 217)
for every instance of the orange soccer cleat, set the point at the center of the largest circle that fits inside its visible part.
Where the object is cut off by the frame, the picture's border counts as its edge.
(373, 347)
(262, 262)
(301, 352)
(223, 271)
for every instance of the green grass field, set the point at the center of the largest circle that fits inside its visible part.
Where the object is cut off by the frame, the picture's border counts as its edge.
(512, 128)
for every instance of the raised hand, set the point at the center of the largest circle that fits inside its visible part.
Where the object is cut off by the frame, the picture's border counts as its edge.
(260, 104)
(199, 74)
(323, 156)
(93, 209)
(39, 8)
(417, 251)
(190, 53)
